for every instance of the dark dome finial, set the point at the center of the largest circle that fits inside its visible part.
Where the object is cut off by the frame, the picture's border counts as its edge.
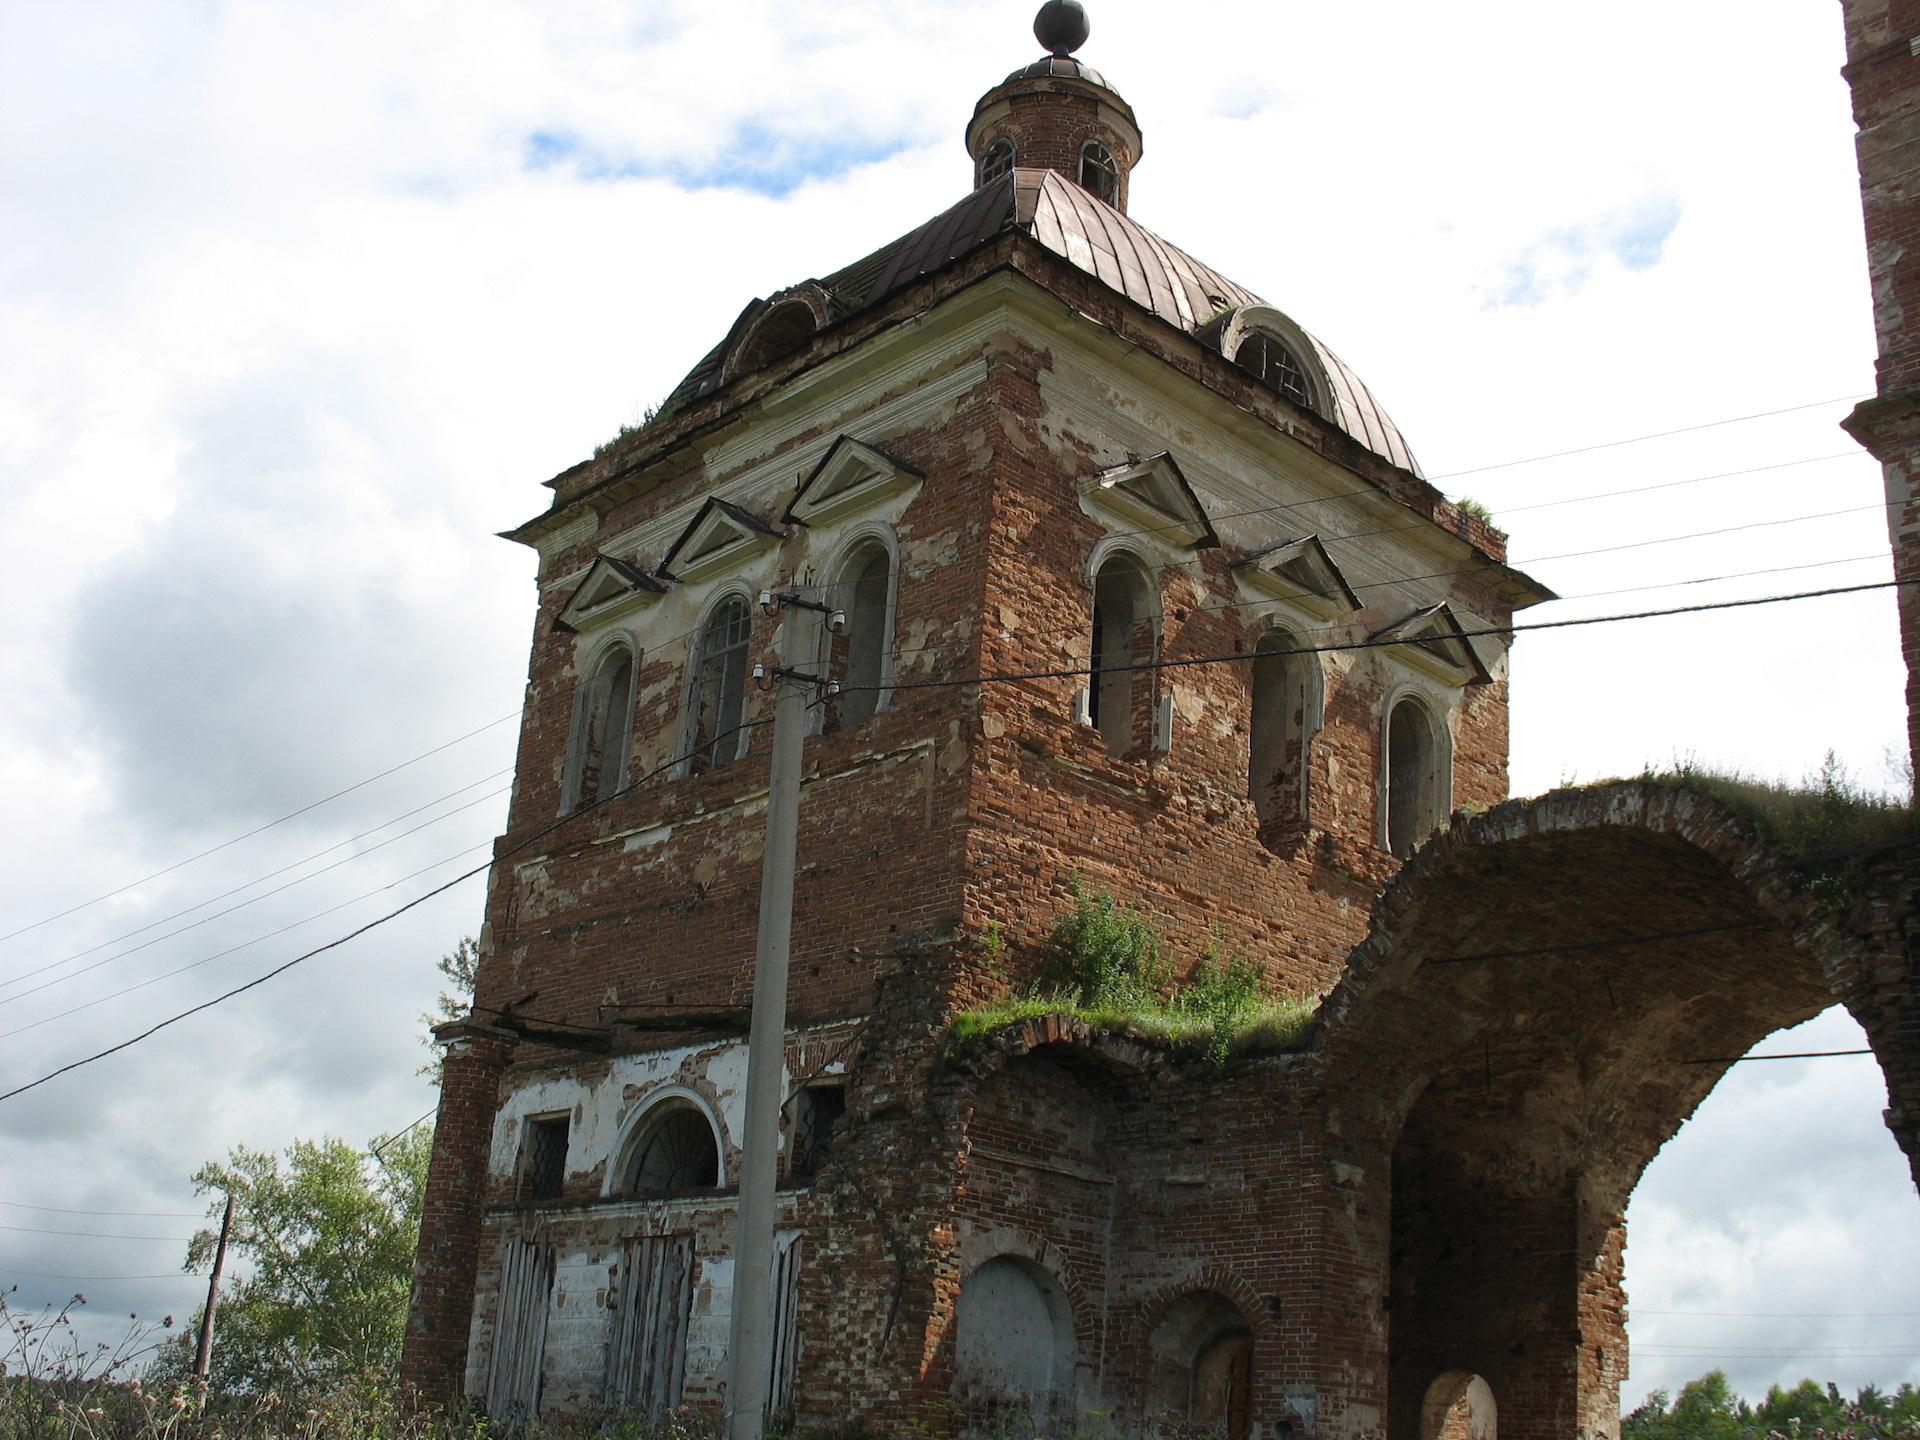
(1061, 27)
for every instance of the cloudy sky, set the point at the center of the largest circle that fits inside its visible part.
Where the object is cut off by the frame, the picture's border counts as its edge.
(299, 302)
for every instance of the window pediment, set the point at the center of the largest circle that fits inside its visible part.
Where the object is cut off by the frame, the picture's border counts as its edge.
(720, 538)
(1302, 571)
(1436, 643)
(851, 477)
(612, 588)
(1151, 496)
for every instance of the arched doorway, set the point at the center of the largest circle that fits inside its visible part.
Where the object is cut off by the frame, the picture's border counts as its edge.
(1550, 992)
(1459, 1406)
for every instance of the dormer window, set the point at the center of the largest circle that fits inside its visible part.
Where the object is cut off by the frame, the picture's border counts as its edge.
(999, 160)
(1276, 367)
(785, 328)
(1099, 172)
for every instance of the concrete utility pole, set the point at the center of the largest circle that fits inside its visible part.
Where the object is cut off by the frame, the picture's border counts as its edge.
(750, 1356)
(203, 1357)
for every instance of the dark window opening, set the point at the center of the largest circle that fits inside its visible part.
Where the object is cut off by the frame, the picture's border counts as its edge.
(1276, 367)
(862, 649)
(720, 687)
(546, 1158)
(677, 1153)
(999, 160)
(1099, 172)
(816, 1110)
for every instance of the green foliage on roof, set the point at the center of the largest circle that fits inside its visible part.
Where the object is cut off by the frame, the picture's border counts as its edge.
(1826, 813)
(1106, 965)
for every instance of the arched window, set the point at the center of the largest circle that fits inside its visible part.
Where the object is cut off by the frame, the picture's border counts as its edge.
(676, 1151)
(1276, 367)
(1013, 1336)
(1099, 172)
(602, 728)
(865, 592)
(786, 327)
(718, 697)
(1277, 731)
(999, 160)
(1117, 605)
(1413, 777)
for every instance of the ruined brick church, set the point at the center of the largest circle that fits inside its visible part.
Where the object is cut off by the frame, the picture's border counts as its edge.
(1122, 578)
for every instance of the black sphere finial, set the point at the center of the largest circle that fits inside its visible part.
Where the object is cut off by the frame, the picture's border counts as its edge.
(1061, 27)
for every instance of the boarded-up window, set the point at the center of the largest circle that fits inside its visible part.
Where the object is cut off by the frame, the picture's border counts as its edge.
(786, 1326)
(653, 1298)
(520, 1331)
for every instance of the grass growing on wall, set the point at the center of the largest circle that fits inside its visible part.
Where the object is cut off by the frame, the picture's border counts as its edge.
(1105, 964)
(1827, 812)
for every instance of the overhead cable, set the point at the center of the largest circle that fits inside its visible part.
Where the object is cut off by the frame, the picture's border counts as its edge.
(355, 933)
(1656, 435)
(260, 829)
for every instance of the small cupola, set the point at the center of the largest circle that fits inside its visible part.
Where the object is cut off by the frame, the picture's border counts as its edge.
(1057, 114)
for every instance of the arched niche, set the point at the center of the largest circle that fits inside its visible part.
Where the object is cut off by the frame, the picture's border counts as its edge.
(1200, 1364)
(1013, 1337)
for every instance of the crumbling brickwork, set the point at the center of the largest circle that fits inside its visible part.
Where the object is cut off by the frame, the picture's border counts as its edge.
(1110, 608)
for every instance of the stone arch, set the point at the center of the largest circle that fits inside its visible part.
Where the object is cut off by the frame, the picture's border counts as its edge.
(1521, 1069)
(1459, 1405)
(1199, 1356)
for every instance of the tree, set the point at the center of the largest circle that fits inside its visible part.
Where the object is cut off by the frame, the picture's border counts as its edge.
(327, 1239)
(461, 966)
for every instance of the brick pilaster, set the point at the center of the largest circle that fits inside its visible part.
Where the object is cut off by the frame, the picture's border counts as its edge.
(433, 1360)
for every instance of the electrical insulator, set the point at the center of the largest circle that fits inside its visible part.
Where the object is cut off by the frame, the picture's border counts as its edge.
(837, 621)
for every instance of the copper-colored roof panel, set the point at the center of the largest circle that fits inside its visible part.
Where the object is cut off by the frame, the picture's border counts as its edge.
(1096, 238)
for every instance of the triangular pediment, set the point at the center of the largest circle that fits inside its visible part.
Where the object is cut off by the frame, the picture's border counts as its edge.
(1151, 497)
(1432, 638)
(1302, 571)
(611, 588)
(718, 539)
(851, 477)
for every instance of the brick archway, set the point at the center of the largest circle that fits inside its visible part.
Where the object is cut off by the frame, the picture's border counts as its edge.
(1521, 1085)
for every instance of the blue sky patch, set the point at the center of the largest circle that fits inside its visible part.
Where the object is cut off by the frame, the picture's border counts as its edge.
(1562, 261)
(759, 157)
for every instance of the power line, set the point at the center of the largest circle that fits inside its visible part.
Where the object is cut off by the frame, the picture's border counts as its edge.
(93, 1234)
(1790, 1314)
(244, 944)
(42, 1275)
(1637, 439)
(270, 875)
(258, 830)
(127, 1214)
(1379, 643)
(355, 933)
(233, 909)
(1606, 945)
(240, 990)
(1747, 1059)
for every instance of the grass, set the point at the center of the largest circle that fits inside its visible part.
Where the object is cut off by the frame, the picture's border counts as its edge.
(1827, 812)
(1106, 965)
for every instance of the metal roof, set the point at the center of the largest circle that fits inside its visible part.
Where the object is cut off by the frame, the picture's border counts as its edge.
(1093, 236)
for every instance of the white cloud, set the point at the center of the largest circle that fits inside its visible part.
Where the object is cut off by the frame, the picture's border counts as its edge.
(295, 321)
